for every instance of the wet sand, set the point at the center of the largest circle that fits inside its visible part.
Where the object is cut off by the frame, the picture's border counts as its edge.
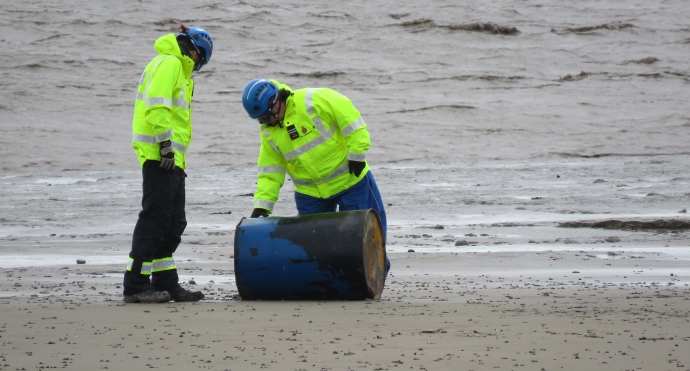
(442, 311)
(510, 276)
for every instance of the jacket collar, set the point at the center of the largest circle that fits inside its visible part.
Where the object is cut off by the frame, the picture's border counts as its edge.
(167, 45)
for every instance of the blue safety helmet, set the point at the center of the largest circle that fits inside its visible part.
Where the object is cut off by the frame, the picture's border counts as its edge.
(201, 40)
(256, 96)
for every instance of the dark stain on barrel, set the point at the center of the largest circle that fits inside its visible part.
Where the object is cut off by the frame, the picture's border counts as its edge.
(254, 251)
(333, 242)
(301, 261)
(324, 288)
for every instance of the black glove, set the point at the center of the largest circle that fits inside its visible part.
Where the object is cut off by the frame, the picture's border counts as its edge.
(356, 167)
(259, 212)
(167, 155)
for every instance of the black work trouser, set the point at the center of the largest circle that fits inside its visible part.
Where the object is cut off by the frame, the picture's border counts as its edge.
(159, 229)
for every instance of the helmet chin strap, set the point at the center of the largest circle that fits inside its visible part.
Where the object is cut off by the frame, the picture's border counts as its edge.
(275, 117)
(280, 108)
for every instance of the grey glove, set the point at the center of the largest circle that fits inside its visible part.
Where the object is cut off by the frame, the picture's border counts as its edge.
(167, 155)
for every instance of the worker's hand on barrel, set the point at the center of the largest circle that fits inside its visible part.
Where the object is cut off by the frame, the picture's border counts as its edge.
(167, 155)
(259, 212)
(356, 167)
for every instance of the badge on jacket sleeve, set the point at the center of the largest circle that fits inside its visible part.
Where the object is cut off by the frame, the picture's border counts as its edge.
(292, 131)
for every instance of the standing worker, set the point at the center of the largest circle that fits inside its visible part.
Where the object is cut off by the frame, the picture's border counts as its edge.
(162, 130)
(321, 140)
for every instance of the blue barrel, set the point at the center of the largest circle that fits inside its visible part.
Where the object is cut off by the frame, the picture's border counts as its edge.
(329, 256)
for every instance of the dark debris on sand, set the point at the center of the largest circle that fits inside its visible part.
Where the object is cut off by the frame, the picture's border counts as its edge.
(587, 29)
(486, 27)
(655, 225)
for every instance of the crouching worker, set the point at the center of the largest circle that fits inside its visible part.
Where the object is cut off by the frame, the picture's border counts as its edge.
(319, 138)
(162, 130)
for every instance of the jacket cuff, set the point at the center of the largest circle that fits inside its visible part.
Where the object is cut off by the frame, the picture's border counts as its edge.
(356, 156)
(263, 204)
(164, 136)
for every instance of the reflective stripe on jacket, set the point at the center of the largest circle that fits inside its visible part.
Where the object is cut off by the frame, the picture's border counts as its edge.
(321, 131)
(163, 107)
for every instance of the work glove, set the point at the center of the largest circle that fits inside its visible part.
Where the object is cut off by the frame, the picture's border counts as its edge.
(259, 212)
(167, 155)
(356, 167)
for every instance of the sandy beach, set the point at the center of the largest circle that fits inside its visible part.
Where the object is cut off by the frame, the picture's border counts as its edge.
(532, 157)
(504, 284)
(432, 320)
(551, 318)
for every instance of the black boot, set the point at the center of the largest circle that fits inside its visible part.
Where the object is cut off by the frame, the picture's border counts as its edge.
(148, 296)
(180, 294)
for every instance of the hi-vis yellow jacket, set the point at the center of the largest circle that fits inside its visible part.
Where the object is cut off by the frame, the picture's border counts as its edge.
(163, 109)
(321, 131)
